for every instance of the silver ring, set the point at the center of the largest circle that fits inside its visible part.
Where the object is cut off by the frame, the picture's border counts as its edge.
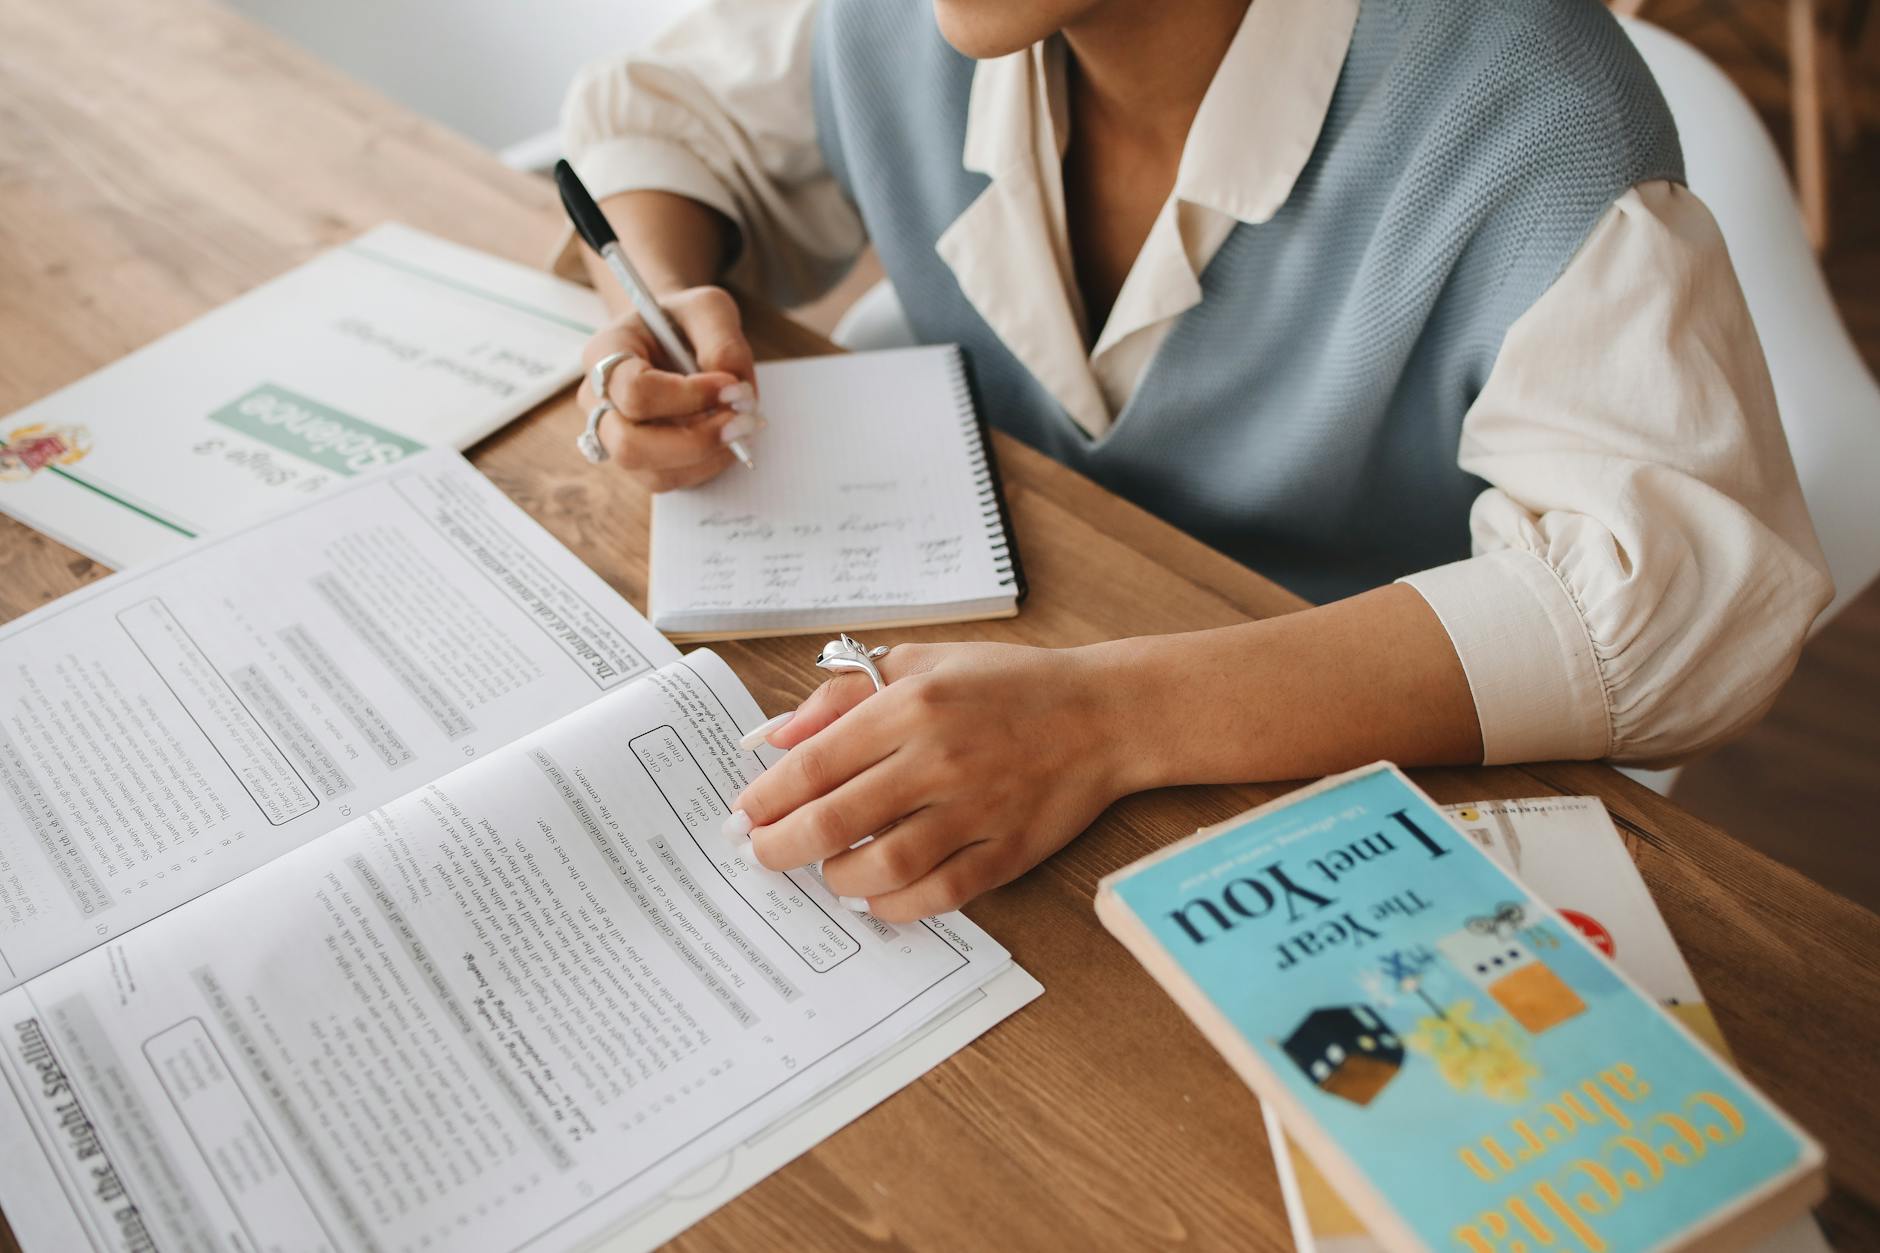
(603, 370)
(589, 441)
(846, 653)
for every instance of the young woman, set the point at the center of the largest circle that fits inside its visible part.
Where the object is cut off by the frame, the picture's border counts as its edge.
(1402, 302)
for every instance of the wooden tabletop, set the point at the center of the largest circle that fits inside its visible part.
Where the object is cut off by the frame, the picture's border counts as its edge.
(159, 157)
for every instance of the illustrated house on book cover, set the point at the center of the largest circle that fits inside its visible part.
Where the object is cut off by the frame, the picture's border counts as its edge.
(1505, 968)
(1347, 1051)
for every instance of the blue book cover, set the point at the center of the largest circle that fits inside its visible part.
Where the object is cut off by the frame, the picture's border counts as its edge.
(1466, 1068)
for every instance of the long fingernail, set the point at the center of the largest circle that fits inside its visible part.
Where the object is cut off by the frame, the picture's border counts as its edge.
(737, 826)
(740, 396)
(853, 903)
(740, 426)
(758, 734)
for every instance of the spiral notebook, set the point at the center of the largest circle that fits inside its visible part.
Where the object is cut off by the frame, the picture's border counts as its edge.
(875, 502)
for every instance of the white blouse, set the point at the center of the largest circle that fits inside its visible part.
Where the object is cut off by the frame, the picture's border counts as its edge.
(1644, 570)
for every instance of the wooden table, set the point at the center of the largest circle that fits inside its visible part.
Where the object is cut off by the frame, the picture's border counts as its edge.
(160, 157)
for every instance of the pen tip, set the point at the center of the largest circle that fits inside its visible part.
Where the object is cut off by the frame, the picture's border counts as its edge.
(743, 454)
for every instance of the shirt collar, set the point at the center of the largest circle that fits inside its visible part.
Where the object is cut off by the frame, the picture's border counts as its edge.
(1253, 134)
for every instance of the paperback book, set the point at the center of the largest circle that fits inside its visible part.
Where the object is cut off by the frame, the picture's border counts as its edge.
(1462, 1064)
(1567, 850)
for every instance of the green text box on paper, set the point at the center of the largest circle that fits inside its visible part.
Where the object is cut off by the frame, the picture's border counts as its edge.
(312, 431)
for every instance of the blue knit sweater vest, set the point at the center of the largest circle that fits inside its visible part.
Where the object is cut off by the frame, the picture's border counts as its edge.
(1304, 417)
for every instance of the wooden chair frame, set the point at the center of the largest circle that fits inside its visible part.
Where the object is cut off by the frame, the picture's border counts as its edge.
(1817, 70)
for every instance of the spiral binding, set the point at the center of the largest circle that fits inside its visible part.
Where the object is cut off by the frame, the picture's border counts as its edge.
(986, 482)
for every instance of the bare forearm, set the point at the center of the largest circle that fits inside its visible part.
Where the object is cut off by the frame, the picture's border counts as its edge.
(674, 242)
(1305, 694)
(977, 761)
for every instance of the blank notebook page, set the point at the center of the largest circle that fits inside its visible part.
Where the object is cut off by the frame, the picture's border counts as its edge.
(871, 502)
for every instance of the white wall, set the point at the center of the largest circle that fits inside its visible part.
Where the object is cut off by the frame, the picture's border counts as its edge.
(493, 69)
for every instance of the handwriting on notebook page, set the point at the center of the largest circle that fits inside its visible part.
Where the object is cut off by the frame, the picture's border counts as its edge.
(872, 491)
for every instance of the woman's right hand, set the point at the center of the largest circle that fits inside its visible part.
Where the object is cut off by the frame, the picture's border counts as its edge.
(671, 430)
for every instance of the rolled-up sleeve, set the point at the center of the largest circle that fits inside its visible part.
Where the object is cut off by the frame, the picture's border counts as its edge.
(1644, 570)
(719, 108)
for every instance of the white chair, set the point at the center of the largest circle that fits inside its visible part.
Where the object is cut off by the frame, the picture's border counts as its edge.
(1830, 403)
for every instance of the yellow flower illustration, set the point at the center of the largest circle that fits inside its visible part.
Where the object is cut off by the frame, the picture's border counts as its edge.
(1472, 1055)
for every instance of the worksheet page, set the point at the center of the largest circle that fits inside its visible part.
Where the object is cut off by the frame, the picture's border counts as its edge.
(505, 1011)
(165, 730)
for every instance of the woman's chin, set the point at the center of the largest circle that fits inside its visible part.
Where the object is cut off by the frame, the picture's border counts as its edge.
(984, 29)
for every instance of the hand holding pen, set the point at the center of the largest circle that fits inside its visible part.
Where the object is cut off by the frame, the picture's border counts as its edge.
(667, 389)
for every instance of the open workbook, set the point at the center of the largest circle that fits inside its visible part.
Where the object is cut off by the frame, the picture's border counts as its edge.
(361, 887)
(875, 501)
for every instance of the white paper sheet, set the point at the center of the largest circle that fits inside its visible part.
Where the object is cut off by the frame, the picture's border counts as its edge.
(165, 730)
(508, 1011)
(394, 342)
(721, 1181)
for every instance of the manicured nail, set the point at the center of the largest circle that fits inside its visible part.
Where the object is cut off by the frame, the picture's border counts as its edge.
(740, 426)
(737, 826)
(739, 396)
(758, 734)
(853, 903)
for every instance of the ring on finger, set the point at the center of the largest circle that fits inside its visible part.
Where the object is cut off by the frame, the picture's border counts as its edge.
(847, 653)
(589, 441)
(603, 370)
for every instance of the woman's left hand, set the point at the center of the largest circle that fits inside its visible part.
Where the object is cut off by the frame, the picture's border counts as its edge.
(974, 764)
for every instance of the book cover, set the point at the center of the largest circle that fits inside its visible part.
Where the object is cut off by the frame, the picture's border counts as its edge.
(1466, 1069)
(1566, 849)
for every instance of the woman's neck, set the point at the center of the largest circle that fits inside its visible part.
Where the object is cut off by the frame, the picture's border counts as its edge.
(1141, 69)
(1138, 70)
